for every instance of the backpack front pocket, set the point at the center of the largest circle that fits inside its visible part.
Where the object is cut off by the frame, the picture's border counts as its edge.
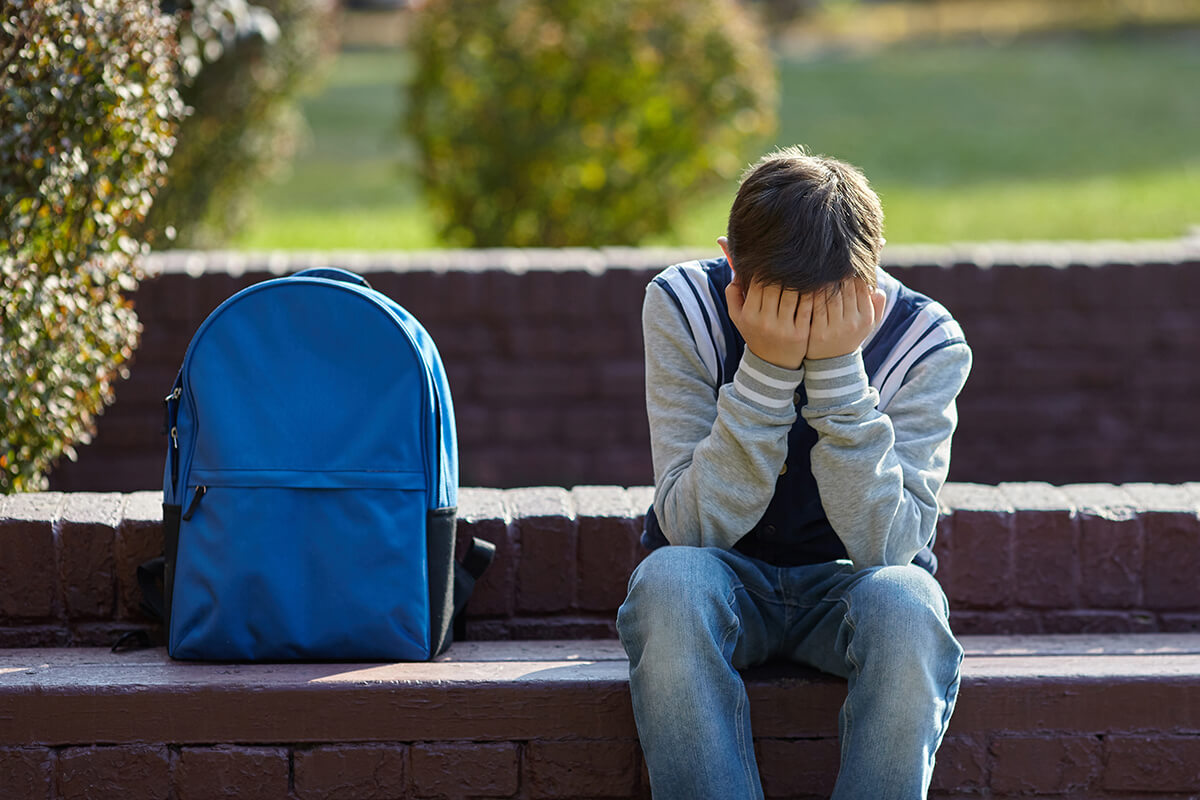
(280, 565)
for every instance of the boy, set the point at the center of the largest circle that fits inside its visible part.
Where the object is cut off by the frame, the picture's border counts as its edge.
(801, 404)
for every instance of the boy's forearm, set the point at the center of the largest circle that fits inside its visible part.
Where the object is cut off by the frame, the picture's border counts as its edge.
(879, 474)
(717, 450)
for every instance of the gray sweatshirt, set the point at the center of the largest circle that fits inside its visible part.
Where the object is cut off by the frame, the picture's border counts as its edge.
(720, 440)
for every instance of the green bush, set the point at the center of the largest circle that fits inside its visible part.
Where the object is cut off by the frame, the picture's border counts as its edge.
(88, 109)
(576, 122)
(242, 67)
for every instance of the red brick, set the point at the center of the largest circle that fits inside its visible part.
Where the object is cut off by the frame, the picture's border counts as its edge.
(606, 546)
(473, 422)
(995, 623)
(1092, 621)
(1112, 547)
(1172, 531)
(546, 529)
(543, 628)
(28, 575)
(120, 773)
(231, 771)
(1045, 765)
(532, 340)
(86, 543)
(593, 426)
(1179, 623)
(25, 773)
(983, 527)
(350, 772)
(943, 548)
(961, 765)
(482, 514)
(461, 377)
(465, 770)
(524, 380)
(624, 379)
(34, 636)
(574, 627)
(1045, 545)
(1152, 763)
(533, 421)
(555, 294)
(626, 467)
(471, 339)
(139, 538)
(581, 769)
(797, 767)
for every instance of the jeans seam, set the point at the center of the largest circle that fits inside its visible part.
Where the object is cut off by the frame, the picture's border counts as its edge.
(739, 711)
(845, 600)
(948, 705)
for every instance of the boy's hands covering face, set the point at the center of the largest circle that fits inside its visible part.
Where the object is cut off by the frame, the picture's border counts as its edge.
(842, 321)
(773, 321)
(783, 327)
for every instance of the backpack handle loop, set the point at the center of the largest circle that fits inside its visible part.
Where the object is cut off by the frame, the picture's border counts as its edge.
(333, 274)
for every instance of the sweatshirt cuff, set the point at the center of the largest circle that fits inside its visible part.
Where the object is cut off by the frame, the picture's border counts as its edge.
(837, 381)
(766, 384)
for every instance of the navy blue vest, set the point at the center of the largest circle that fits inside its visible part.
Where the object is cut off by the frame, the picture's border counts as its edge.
(794, 529)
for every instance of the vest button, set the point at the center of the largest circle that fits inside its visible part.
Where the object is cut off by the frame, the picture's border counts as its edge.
(769, 530)
(796, 398)
(783, 469)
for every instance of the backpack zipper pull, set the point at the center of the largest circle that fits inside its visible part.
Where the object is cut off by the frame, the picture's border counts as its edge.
(191, 509)
(174, 456)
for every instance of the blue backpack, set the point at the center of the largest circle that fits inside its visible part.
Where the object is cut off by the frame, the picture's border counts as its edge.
(311, 480)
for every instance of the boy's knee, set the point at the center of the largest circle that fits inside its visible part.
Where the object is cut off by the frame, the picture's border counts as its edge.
(897, 592)
(901, 610)
(677, 587)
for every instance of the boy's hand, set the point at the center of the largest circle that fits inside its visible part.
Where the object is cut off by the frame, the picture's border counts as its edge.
(774, 321)
(842, 321)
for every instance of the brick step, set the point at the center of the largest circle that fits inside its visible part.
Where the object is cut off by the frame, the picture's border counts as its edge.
(1081, 716)
(1015, 558)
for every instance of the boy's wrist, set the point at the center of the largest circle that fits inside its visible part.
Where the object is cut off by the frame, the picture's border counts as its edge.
(765, 383)
(835, 381)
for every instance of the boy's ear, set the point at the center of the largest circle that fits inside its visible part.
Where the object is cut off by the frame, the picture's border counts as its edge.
(724, 243)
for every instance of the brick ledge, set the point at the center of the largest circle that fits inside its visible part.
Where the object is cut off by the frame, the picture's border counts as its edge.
(1067, 715)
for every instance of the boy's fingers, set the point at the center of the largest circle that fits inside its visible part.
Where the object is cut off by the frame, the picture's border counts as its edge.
(804, 310)
(753, 297)
(820, 308)
(879, 303)
(770, 299)
(836, 299)
(862, 301)
(788, 300)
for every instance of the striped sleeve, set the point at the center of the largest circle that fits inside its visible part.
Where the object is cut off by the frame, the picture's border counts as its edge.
(931, 330)
(688, 286)
(764, 383)
(835, 381)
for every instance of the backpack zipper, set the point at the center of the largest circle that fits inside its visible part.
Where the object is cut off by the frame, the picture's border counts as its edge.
(191, 509)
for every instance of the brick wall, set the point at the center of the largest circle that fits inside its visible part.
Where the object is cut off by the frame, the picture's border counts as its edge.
(1015, 558)
(1085, 358)
(530, 720)
(1002, 766)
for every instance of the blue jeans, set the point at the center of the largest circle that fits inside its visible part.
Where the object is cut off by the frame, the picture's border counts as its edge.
(694, 616)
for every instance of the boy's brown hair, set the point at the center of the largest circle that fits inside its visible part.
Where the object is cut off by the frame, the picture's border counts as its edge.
(804, 222)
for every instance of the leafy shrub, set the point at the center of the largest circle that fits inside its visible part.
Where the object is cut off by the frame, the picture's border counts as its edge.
(88, 108)
(242, 67)
(576, 122)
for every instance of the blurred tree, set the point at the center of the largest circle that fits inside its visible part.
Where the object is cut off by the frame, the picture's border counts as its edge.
(241, 70)
(88, 110)
(574, 122)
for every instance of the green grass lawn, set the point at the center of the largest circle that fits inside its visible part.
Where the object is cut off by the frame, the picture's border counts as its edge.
(1055, 139)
